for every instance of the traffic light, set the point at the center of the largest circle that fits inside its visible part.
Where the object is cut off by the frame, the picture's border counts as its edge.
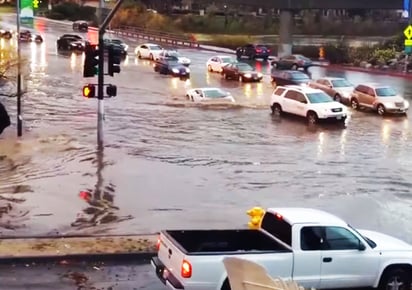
(91, 61)
(35, 4)
(114, 60)
(89, 91)
(111, 90)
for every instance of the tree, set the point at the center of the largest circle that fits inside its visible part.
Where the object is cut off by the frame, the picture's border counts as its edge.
(9, 62)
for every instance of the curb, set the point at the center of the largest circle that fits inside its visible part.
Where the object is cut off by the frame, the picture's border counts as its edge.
(80, 258)
(40, 237)
(370, 71)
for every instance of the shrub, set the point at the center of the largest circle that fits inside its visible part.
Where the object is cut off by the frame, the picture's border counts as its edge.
(72, 11)
(229, 41)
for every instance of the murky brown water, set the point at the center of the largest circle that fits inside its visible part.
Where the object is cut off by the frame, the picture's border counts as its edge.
(170, 163)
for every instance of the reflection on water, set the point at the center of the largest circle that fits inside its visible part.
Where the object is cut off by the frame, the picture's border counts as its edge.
(321, 143)
(100, 208)
(343, 142)
(38, 63)
(76, 62)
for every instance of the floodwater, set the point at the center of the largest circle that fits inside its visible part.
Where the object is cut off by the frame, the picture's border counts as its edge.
(168, 163)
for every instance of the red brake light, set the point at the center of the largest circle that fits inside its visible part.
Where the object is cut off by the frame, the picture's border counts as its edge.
(186, 271)
(258, 50)
(268, 50)
(278, 216)
(158, 243)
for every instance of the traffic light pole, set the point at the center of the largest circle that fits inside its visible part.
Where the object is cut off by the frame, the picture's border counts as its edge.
(100, 76)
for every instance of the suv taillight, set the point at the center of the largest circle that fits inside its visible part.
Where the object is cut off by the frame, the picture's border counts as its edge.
(186, 270)
(158, 243)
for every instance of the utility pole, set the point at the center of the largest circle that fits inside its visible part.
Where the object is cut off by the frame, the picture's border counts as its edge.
(19, 91)
(100, 77)
(100, 82)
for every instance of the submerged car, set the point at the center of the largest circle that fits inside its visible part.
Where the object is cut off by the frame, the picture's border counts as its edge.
(81, 26)
(171, 66)
(183, 60)
(28, 36)
(6, 34)
(380, 98)
(209, 95)
(71, 42)
(242, 72)
(289, 77)
(338, 88)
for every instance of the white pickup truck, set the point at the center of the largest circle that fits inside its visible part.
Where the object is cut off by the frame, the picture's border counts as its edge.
(314, 248)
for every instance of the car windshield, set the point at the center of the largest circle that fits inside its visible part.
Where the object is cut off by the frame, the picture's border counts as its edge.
(385, 92)
(214, 94)
(244, 67)
(299, 76)
(172, 54)
(371, 243)
(226, 59)
(171, 58)
(154, 47)
(117, 41)
(320, 97)
(342, 83)
(301, 57)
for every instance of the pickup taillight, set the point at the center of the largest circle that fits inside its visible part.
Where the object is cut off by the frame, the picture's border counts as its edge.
(158, 243)
(186, 270)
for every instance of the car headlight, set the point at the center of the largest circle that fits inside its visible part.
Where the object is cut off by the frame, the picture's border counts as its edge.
(248, 75)
(187, 70)
(259, 75)
(125, 47)
(406, 103)
(175, 70)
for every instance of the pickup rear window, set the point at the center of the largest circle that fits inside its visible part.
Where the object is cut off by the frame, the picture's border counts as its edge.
(277, 227)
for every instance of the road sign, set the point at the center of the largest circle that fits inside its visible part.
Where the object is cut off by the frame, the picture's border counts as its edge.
(408, 34)
(408, 49)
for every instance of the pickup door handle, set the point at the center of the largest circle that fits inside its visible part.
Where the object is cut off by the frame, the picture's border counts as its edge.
(327, 259)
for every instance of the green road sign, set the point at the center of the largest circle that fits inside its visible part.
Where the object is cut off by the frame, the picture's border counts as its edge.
(26, 13)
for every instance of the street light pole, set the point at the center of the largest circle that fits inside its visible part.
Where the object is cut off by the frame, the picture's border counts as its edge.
(19, 92)
(100, 82)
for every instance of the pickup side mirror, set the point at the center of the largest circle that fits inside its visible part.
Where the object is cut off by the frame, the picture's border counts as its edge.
(361, 246)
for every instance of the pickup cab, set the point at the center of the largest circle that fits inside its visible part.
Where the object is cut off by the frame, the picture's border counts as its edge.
(312, 247)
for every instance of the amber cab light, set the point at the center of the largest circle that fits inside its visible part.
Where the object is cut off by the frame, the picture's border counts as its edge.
(186, 269)
(158, 243)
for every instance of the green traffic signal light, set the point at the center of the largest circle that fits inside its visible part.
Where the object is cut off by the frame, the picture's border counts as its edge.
(114, 59)
(91, 61)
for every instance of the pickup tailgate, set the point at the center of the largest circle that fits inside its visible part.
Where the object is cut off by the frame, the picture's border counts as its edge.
(171, 257)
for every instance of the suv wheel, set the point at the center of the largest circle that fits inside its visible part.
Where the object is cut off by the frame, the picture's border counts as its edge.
(381, 110)
(312, 118)
(276, 110)
(354, 104)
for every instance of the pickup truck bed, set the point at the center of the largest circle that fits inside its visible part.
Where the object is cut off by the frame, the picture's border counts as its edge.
(208, 242)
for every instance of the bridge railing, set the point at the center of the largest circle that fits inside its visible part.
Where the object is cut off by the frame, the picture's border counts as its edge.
(156, 35)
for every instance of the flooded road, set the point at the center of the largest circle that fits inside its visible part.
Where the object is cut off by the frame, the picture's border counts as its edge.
(170, 164)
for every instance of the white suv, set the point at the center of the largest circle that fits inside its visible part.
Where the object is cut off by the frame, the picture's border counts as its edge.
(313, 104)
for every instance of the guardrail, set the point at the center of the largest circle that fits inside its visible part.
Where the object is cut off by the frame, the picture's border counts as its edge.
(155, 35)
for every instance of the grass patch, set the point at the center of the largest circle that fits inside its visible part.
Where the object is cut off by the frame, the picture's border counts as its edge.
(7, 9)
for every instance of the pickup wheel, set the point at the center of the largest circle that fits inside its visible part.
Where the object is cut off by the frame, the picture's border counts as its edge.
(395, 278)
(226, 285)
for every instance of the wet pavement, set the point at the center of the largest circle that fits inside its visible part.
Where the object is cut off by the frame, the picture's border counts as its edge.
(168, 163)
(98, 276)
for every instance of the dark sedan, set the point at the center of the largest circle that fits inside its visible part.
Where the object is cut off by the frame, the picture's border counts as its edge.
(241, 71)
(117, 44)
(6, 34)
(294, 61)
(71, 42)
(81, 26)
(171, 66)
(289, 77)
(28, 36)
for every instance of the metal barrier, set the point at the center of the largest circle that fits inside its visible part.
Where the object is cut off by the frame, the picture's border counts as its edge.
(156, 36)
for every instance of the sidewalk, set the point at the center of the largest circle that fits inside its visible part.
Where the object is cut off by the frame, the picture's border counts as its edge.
(50, 249)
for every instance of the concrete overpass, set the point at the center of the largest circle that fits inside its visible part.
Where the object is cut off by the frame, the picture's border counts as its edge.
(287, 8)
(310, 4)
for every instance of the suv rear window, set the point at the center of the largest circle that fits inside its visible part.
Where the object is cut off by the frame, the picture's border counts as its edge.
(277, 227)
(279, 91)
